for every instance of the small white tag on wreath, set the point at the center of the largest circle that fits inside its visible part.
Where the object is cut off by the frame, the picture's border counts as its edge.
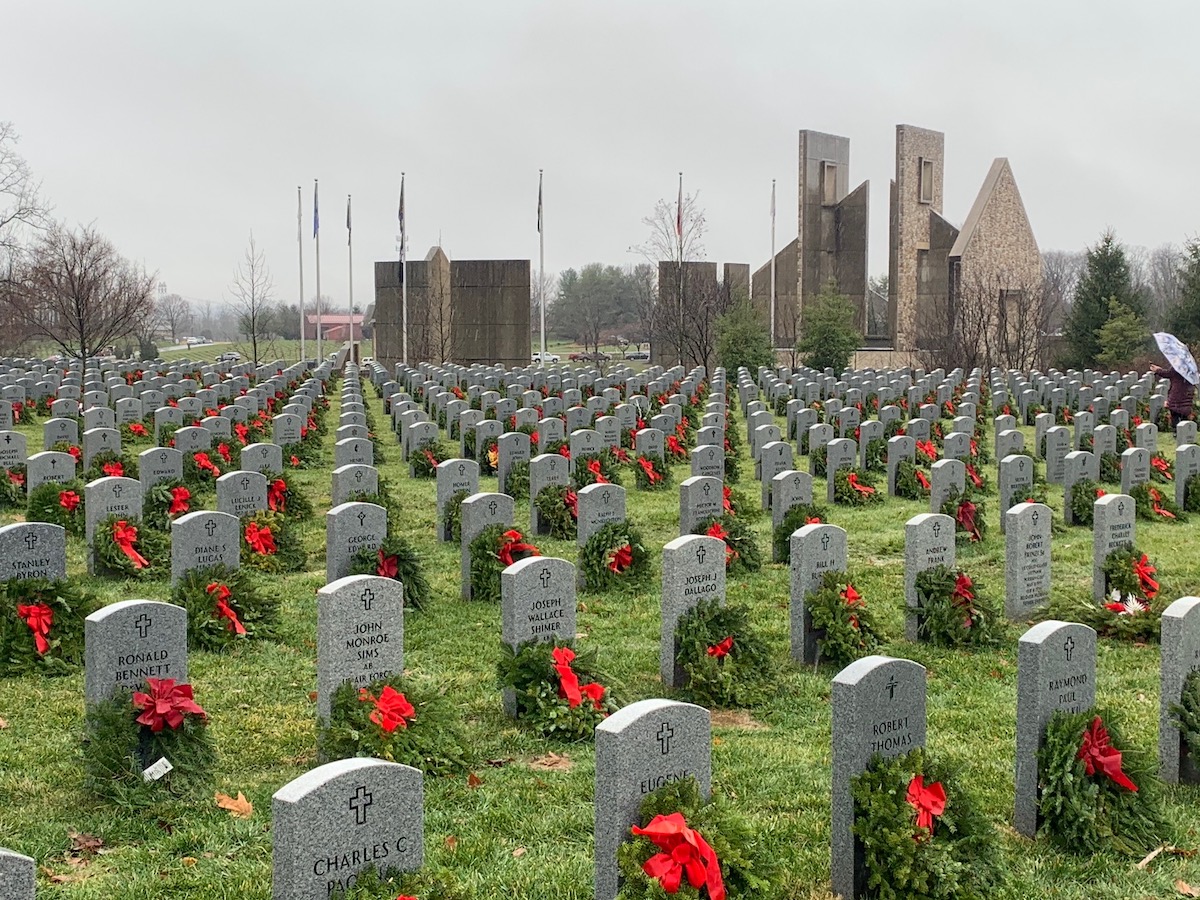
(157, 770)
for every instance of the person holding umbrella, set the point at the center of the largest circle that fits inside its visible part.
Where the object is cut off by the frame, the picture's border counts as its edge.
(1182, 375)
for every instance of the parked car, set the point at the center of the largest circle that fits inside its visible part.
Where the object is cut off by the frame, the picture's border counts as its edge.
(549, 357)
(229, 356)
(638, 354)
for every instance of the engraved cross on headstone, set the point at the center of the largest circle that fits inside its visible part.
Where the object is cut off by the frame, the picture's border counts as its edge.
(891, 686)
(544, 577)
(362, 518)
(492, 507)
(359, 803)
(245, 484)
(937, 529)
(210, 528)
(1069, 647)
(358, 476)
(700, 554)
(368, 596)
(825, 542)
(707, 489)
(664, 737)
(31, 541)
(142, 624)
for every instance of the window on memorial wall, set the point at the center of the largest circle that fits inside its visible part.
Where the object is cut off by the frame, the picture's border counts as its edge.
(925, 185)
(828, 183)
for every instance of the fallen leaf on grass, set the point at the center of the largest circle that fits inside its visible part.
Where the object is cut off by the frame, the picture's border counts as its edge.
(1186, 889)
(451, 843)
(1149, 857)
(64, 878)
(189, 861)
(239, 808)
(552, 762)
(85, 843)
(3, 724)
(473, 780)
(519, 852)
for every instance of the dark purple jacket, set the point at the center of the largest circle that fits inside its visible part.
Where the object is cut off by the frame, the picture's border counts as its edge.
(1181, 395)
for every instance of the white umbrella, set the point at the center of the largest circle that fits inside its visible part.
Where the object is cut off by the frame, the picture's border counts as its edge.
(1178, 355)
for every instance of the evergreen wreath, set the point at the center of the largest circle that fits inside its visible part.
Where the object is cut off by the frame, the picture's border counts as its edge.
(733, 463)
(423, 459)
(1092, 811)
(1191, 494)
(1130, 571)
(398, 719)
(429, 881)
(1155, 506)
(225, 606)
(793, 520)
(846, 626)
(490, 457)
(1185, 715)
(817, 461)
(287, 498)
(1162, 470)
(968, 513)
(877, 455)
(516, 482)
(107, 463)
(912, 482)
(117, 748)
(558, 510)
(951, 614)
(614, 555)
(562, 448)
(271, 544)
(596, 468)
(400, 561)
(854, 487)
(977, 479)
(1084, 495)
(559, 691)
(164, 503)
(1132, 609)
(200, 473)
(734, 502)
(12, 488)
(651, 473)
(741, 547)
(59, 504)
(492, 551)
(41, 626)
(921, 835)
(452, 516)
(724, 659)
(148, 553)
(134, 432)
(719, 838)
(306, 453)
(1110, 468)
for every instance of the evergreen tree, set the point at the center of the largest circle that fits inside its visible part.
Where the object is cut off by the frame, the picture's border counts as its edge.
(1123, 337)
(742, 339)
(1185, 318)
(1106, 277)
(828, 337)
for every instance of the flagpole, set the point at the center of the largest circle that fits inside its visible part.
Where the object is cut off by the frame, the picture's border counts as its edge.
(350, 262)
(300, 244)
(542, 268)
(317, 238)
(772, 269)
(404, 274)
(679, 243)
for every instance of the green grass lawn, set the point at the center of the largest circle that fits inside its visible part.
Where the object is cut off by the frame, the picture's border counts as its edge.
(525, 833)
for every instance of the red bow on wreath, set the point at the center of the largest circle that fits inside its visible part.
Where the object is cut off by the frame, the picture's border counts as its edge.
(179, 500)
(974, 476)
(512, 544)
(594, 468)
(1099, 755)
(165, 704)
(387, 566)
(648, 468)
(1145, 573)
(721, 650)
(16, 478)
(620, 559)
(277, 496)
(260, 540)
(1156, 504)
(68, 500)
(863, 489)
(39, 618)
(965, 516)
(571, 501)
(124, 536)
(684, 853)
(224, 610)
(727, 499)
(113, 469)
(1162, 465)
(962, 588)
(568, 681)
(717, 531)
(392, 709)
(674, 446)
(226, 453)
(855, 601)
(927, 800)
(206, 465)
(924, 482)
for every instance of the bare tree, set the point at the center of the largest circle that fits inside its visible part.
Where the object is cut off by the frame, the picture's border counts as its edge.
(1061, 271)
(643, 285)
(1164, 289)
(175, 314)
(250, 295)
(675, 235)
(22, 210)
(76, 292)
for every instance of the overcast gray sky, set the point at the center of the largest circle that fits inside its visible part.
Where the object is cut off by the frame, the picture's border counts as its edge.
(179, 128)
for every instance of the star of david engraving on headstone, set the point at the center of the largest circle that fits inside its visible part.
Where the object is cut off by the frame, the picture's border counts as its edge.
(664, 738)
(359, 803)
(142, 623)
